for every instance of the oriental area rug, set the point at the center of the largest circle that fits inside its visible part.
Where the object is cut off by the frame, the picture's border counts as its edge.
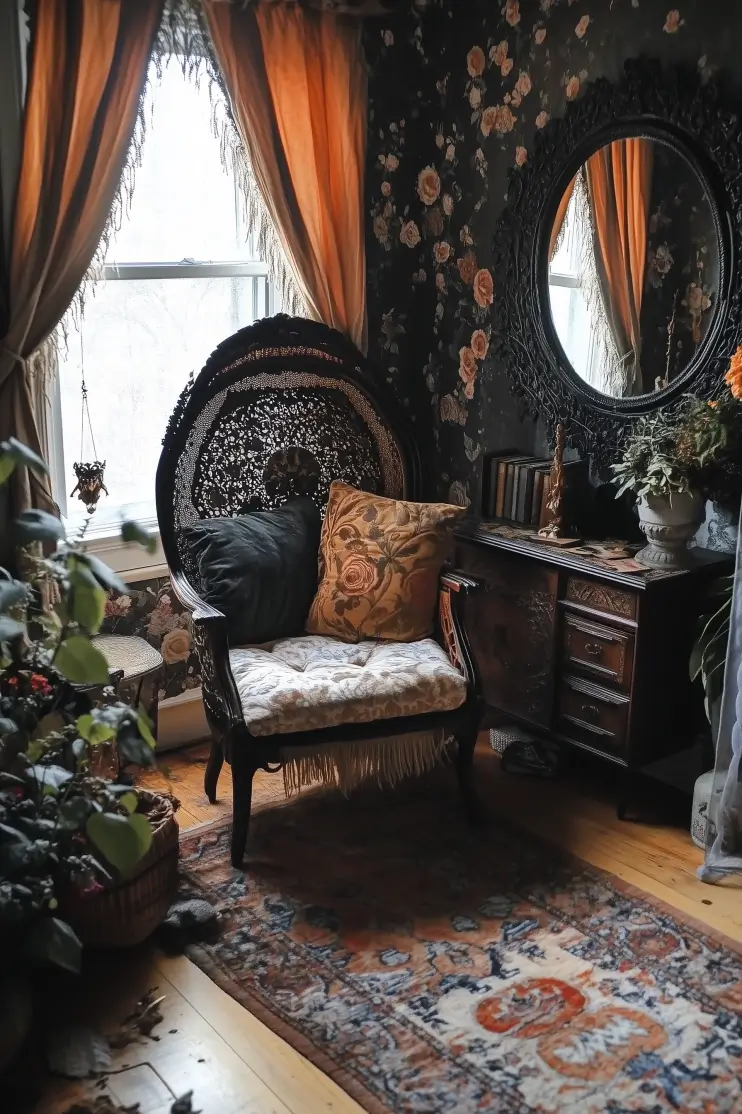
(427, 968)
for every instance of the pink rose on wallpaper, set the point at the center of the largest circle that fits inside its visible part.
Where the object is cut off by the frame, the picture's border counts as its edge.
(447, 204)
(512, 12)
(440, 282)
(442, 251)
(497, 118)
(115, 608)
(381, 229)
(475, 96)
(479, 343)
(410, 234)
(467, 369)
(573, 88)
(483, 288)
(428, 185)
(499, 53)
(391, 162)
(540, 36)
(582, 26)
(386, 188)
(673, 22)
(450, 153)
(523, 84)
(176, 646)
(542, 119)
(475, 61)
(506, 67)
(521, 156)
(468, 268)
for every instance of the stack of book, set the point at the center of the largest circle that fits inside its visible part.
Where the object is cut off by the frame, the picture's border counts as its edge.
(516, 487)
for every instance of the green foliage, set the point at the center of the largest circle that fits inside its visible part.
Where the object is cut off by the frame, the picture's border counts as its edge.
(61, 826)
(708, 656)
(699, 447)
(650, 465)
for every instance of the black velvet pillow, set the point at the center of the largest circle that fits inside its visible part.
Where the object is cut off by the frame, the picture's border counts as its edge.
(259, 569)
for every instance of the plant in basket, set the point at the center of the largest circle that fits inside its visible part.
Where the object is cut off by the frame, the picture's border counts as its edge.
(67, 835)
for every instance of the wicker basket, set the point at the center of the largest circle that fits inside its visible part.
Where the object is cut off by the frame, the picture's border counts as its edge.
(128, 911)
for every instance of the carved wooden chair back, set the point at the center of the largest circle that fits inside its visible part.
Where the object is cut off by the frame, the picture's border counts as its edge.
(283, 407)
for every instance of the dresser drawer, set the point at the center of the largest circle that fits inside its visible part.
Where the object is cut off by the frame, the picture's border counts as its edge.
(604, 653)
(593, 716)
(593, 596)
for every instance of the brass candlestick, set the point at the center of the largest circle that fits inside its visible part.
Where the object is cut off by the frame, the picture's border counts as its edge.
(556, 489)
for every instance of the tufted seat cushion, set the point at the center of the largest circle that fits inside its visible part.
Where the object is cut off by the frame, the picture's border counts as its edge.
(314, 681)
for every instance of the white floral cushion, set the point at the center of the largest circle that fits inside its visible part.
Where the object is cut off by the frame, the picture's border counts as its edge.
(314, 681)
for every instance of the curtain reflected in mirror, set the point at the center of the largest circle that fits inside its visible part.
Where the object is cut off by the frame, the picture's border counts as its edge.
(633, 267)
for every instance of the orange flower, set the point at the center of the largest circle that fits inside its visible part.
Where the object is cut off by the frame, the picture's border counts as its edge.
(498, 118)
(523, 84)
(734, 376)
(357, 575)
(428, 185)
(573, 88)
(582, 26)
(442, 251)
(542, 119)
(499, 53)
(479, 343)
(521, 156)
(512, 12)
(475, 61)
(673, 21)
(410, 234)
(483, 288)
(467, 370)
(468, 267)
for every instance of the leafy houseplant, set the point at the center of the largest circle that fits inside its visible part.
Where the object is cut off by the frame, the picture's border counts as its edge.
(669, 504)
(62, 828)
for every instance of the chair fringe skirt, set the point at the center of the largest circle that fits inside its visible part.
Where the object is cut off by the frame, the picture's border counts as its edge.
(344, 766)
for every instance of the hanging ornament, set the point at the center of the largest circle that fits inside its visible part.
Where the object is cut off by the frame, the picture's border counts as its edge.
(89, 473)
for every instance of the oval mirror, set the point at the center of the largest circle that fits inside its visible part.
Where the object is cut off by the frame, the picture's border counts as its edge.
(634, 267)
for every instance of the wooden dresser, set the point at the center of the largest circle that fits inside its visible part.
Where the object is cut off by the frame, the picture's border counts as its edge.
(591, 656)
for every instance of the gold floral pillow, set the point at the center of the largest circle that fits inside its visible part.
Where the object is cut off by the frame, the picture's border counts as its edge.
(380, 560)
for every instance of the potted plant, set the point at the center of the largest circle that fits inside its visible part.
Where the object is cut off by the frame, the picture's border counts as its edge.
(669, 505)
(67, 836)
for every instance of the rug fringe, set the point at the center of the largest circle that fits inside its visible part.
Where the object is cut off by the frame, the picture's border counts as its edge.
(345, 766)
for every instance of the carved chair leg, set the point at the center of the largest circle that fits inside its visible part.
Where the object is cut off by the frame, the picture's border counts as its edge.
(213, 769)
(467, 741)
(242, 775)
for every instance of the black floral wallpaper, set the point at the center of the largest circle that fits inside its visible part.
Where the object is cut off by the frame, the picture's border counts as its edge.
(458, 92)
(150, 610)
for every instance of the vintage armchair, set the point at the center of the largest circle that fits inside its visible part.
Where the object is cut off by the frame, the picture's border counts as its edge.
(285, 407)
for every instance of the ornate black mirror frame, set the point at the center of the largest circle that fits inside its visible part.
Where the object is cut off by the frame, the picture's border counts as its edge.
(690, 115)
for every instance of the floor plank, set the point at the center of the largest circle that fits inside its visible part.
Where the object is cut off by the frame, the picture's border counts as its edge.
(233, 1062)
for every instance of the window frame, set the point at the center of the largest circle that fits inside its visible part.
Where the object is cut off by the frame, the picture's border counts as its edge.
(129, 560)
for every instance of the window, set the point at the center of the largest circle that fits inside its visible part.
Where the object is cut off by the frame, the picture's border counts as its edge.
(180, 276)
(568, 296)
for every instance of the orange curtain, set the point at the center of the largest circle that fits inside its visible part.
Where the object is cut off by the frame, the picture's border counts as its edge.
(619, 179)
(561, 213)
(297, 83)
(87, 70)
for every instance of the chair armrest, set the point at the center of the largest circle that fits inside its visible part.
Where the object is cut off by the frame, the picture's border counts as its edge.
(209, 629)
(454, 588)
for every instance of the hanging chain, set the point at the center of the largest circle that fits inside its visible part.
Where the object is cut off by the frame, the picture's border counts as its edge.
(85, 407)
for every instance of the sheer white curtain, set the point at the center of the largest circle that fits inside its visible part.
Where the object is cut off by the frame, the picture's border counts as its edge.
(724, 829)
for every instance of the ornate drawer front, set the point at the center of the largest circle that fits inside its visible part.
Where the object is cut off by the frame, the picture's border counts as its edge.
(604, 653)
(601, 597)
(592, 716)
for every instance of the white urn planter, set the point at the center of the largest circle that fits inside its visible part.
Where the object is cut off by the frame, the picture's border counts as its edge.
(668, 523)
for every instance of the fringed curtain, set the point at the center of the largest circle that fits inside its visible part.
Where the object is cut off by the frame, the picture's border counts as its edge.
(557, 229)
(619, 179)
(296, 80)
(87, 71)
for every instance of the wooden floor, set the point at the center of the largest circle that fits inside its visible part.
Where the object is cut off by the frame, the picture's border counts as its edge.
(234, 1064)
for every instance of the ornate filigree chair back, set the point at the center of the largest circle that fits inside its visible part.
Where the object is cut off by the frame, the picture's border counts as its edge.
(282, 408)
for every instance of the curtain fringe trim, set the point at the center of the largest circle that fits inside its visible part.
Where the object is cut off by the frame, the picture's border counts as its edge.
(345, 766)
